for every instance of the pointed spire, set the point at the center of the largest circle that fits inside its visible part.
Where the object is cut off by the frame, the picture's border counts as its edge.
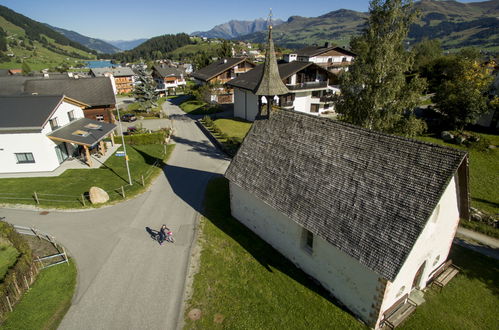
(270, 83)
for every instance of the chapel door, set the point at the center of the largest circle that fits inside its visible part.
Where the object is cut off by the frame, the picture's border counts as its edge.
(417, 277)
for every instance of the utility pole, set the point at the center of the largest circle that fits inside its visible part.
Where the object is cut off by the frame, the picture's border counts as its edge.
(124, 147)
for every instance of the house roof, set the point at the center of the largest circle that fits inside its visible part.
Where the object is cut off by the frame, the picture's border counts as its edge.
(168, 71)
(27, 112)
(318, 50)
(4, 72)
(217, 67)
(250, 79)
(92, 91)
(83, 131)
(117, 72)
(368, 194)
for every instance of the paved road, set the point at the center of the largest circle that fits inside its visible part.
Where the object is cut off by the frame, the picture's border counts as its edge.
(126, 280)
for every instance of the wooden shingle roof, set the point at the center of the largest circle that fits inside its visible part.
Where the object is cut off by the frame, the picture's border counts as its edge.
(368, 194)
(217, 67)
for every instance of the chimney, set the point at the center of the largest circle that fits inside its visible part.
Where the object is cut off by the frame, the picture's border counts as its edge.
(45, 75)
(326, 45)
(225, 60)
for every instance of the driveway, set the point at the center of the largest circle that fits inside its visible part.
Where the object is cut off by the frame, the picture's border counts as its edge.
(125, 279)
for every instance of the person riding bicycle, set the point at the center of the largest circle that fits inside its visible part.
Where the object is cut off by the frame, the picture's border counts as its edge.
(163, 232)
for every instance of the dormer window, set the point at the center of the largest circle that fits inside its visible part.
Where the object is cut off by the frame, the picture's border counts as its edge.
(71, 115)
(54, 124)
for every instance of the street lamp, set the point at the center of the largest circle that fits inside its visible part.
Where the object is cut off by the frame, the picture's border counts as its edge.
(124, 146)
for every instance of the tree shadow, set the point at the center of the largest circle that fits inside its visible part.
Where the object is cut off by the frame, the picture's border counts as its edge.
(205, 148)
(477, 266)
(149, 159)
(179, 99)
(188, 184)
(490, 203)
(217, 210)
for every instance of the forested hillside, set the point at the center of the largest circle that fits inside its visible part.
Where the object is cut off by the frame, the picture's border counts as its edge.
(152, 49)
(24, 41)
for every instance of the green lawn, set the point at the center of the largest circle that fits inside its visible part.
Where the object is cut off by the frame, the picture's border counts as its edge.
(484, 177)
(48, 300)
(233, 127)
(195, 107)
(249, 284)
(8, 257)
(110, 176)
(469, 301)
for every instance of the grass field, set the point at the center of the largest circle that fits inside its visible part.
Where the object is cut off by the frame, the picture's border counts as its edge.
(243, 283)
(195, 107)
(484, 179)
(110, 176)
(8, 257)
(48, 300)
(233, 127)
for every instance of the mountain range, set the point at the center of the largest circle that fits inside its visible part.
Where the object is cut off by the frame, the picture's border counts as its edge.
(234, 28)
(96, 44)
(126, 44)
(456, 24)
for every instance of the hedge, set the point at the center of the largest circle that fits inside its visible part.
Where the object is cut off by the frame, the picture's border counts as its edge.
(147, 138)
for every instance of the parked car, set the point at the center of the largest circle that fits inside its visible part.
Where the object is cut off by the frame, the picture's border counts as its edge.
(128, 117)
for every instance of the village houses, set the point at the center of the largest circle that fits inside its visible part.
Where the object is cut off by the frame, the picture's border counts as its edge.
(123, 77)
(220, 72)
(332, 58)
(168, 79)
(38, 133)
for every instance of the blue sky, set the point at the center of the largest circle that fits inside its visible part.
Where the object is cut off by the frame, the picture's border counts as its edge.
(127, 19)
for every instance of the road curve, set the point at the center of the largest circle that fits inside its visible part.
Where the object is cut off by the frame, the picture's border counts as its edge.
(125, 279)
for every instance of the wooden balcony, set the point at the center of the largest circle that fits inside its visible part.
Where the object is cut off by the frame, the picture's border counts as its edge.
(308, 85)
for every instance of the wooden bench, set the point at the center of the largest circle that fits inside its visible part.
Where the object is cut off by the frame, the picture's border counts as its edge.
(399, 311)
(443, 277)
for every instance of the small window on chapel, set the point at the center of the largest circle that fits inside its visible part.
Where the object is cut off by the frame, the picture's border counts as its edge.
(308, 241)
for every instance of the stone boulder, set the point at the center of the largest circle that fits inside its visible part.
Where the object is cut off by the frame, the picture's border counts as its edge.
(447, 136)
(98, 195)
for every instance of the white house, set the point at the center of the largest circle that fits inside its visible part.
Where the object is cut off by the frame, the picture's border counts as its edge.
(370, 216)
(310, 88)
(38, 133)
(168, 79)
(333, 58)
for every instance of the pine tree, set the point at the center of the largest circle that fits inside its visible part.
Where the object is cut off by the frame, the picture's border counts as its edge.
(145, 90)
(225, 50)
(376, 92)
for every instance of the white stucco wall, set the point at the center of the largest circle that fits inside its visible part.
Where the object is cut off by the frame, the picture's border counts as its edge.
(352, 283)
(37, 143)
(435, 240)
(245, 104)
(62, 115)
(42, 148)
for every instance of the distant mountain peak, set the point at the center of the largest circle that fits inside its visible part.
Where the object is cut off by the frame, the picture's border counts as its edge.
(236, 28)
(96, 44)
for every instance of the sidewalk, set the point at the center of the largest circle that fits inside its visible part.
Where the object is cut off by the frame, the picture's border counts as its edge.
(477, 242)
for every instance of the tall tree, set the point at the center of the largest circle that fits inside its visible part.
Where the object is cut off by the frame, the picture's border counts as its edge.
(144, 91)
(463, 94)
(376, 92)
(225, 50)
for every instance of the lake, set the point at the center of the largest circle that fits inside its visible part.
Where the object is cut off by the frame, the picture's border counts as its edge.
(99, 64)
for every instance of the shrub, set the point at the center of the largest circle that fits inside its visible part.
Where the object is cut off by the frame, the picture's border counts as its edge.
(148, 138)
(208, 122)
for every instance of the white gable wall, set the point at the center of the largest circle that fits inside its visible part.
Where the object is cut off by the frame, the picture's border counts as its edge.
(434, 241)
(245, 104)
(42, 148)
(352, 283)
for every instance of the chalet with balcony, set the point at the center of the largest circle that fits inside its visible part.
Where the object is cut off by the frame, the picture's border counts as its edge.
(220, 72)
(123, 77)
(311, 88)
(333, 58)
(223, 70)
(168, 79)
(38, 133)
